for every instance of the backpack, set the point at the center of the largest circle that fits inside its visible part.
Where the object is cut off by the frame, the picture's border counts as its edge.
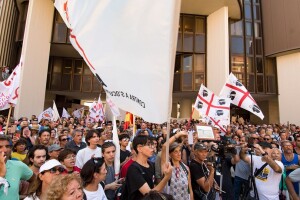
(122, 192)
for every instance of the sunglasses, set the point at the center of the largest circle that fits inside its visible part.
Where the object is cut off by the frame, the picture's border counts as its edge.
(64, 139)
(267, 139)
(125, 139)
(255, 138)
(54, 170)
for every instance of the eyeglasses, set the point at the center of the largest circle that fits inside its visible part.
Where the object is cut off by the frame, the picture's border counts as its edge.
(71, 157)
(267, 139)
(255, 138)
(64, 139)
(54, 170)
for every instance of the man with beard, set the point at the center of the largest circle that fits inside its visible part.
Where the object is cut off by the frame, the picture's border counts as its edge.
(11, 172)
(290, 160)
(37, 157)
(44, 137)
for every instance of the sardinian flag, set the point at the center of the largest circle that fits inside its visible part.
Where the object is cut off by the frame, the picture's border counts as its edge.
(221, 123)
(208, 104)
(65, 114)
(77, 113)
(114, 109)
(9, 88)
(46, 114)
(240, 96)
(97, 111)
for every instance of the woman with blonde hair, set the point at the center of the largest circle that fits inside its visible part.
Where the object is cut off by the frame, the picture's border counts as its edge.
(65, 187)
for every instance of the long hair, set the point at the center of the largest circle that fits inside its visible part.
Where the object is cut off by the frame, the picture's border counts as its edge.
(89, 168)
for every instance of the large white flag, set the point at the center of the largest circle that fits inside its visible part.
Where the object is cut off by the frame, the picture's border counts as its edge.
(208, 104)
(97, 111)
(221, 123)
(130, 47)
(114, 109)
(55, 114)
(9, 88)
(46, 114)
(117, 143)
(240, 96)
(65, 114)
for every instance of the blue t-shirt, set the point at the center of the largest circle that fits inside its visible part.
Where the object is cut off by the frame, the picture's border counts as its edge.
(15, 171)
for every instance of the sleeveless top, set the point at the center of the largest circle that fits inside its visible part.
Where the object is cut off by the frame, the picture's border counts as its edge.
(286, 163)
(179, 184)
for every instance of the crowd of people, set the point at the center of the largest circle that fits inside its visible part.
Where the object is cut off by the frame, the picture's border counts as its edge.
(74, 159)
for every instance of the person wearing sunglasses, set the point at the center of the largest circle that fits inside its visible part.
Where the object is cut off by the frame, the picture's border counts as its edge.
(92, 174)
(268, 139)
(63, 140)
(48, 171)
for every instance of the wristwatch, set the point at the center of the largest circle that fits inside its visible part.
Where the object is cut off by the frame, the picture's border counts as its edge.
(264, 154)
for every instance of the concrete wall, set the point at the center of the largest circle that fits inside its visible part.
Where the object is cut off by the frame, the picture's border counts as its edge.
(281, 25)
(288, 70)
(36, 50)
(217, 50)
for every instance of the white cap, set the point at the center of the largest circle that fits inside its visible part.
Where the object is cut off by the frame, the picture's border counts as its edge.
(49, 165)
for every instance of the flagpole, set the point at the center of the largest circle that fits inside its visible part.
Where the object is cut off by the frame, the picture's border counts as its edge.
(167, 140)
(8, 119)
(117, 155)
(133, 122)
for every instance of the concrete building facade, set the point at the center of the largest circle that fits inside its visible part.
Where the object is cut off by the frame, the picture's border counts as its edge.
(247, 37)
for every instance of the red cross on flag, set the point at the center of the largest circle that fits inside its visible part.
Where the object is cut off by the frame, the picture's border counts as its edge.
(96, 111)
(240, 96)
(208, 104)
(9, 88)
(221, 123)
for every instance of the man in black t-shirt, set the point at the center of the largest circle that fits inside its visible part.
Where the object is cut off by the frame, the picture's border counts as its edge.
(140, 175)
(124, 153)
(202, 175)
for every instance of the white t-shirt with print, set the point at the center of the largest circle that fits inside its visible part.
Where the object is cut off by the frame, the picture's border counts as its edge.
(267, 182)
(85, 155)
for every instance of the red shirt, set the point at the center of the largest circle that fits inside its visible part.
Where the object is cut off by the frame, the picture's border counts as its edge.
(75, 169)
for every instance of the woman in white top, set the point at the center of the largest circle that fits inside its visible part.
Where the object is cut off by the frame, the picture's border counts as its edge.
(92, 173)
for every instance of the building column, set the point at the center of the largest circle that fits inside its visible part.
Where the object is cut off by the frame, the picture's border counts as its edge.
(288, 71)
(217, 50)
(35, 51)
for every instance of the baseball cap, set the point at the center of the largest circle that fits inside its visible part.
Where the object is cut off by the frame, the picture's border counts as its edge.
(200, 146)
(49, 165)
(54, 147)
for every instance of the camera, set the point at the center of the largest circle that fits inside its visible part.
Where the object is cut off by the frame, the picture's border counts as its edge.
(224, 149)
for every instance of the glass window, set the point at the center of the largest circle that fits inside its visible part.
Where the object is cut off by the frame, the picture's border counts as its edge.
(177, 68)
(78, 67)
(86, 69)
(187, 81)
(59, 30)
(237, 45)
(258, 46)
(270, 66)
(256, 12)
(248, 28)
(250, 68)
(236, 28)
(66, 82)
(188, 42)
(200, 25)
(259, 65)
(248, 14)
(55, 81)
(57, 65)
(176, 82)
(251, 82)
(187, 63)
(249, 46)
(200, 43)
(188, 24)
(260, 83)
(76, 82)
(199, 62)
(199, 79)
(179, 42)
(86, 83)
(67, 68)
(237, 64)
(271, 84)
(257, 29)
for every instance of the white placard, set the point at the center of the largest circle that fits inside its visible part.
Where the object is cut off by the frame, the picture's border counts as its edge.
(205, 132)
(190, 137)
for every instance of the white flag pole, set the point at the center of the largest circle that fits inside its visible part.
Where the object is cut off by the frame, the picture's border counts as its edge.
(117, 155)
